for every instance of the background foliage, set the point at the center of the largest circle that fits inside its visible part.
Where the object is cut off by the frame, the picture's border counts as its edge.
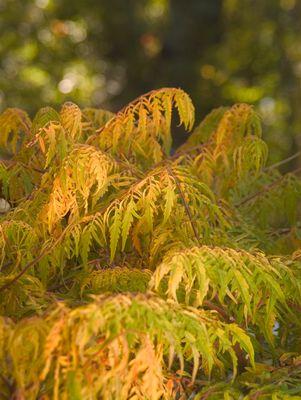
(101, 53)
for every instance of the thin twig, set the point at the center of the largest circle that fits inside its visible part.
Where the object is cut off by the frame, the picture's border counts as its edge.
(7, 382)
(218, 309)
(265, 188)
(282, 162)
(281, 231)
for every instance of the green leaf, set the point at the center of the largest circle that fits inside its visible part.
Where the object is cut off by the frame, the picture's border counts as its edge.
(73, 386)
(127, 221)
(170, 198)
(115, 232)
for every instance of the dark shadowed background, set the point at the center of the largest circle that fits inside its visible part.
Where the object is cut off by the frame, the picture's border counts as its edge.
(105, 53)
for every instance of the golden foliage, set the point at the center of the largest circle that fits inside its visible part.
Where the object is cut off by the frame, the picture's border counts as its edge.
(14, 126)
(143, 127)
(129, 273)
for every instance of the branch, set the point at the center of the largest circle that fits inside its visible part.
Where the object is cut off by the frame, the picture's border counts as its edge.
(7, 382)
(282, 162)
(218, 309)
(265, 188)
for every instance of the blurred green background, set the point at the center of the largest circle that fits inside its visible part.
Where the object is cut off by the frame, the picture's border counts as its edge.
(106, 52)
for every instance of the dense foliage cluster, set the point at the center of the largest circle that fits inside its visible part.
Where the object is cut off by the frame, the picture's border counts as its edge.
(128, 272)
